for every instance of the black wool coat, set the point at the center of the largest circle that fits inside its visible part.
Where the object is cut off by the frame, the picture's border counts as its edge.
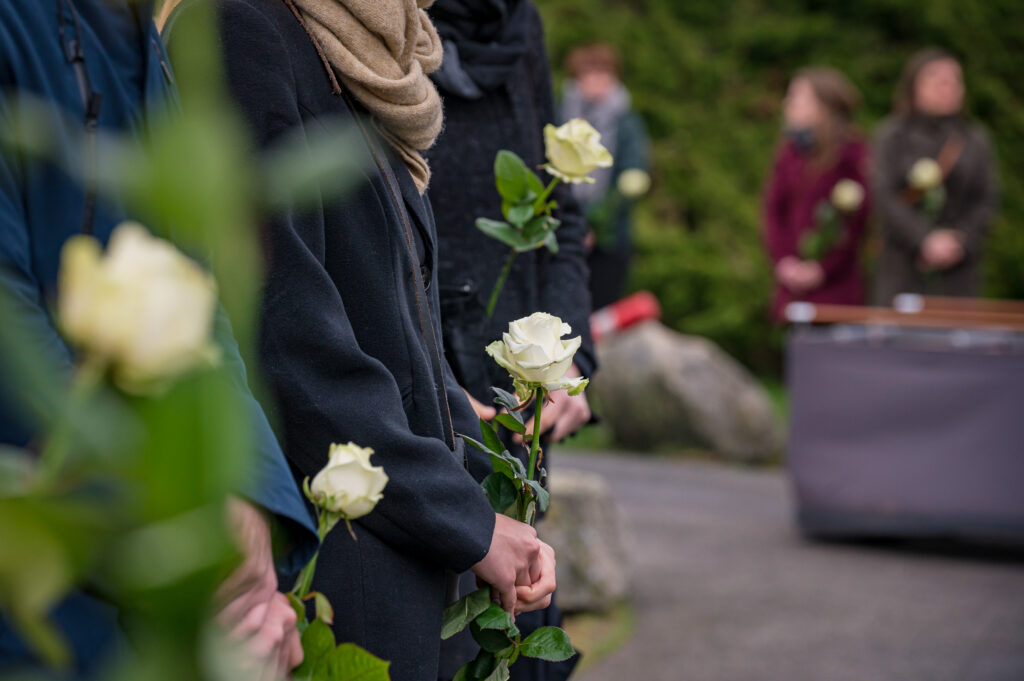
(462, 189)
(346, 355)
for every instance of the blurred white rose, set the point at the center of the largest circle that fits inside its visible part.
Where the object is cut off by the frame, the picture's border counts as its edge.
(349, 485)
(634, 183)
(574, 150)
(925, 174)
(535, 355)
(847, 196)
(144, 309)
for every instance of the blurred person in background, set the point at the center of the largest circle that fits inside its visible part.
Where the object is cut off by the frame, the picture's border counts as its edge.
(816, 203)
(595, 92)
(496, 83)
(935, 183)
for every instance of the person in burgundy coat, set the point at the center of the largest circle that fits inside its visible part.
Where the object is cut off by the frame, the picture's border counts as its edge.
(816, 257)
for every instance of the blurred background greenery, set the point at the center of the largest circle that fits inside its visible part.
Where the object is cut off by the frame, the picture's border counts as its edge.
(708, 78)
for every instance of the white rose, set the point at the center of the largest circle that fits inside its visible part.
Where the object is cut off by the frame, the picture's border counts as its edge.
(925, 174)
(574, 150)
(535, 355)
(143, 308)
(847, 196)
(348, 485)
(634, 183)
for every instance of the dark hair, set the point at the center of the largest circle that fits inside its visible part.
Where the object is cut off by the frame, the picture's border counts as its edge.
(903, 103)
(593, 57)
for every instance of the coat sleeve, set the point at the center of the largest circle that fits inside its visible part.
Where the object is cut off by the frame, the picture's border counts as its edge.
(978, 215)
(901, 223)
(566, 288)
(776, 237)
(24, 304)
(328, 388)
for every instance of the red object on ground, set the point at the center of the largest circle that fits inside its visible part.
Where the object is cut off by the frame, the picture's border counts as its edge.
(631, 310)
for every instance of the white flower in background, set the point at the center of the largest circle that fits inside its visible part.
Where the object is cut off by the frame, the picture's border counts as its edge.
(847, 196)
(144, 309)
(349, 485)
(925, 174)
(634, 183)
(574, 150)
(535, 355)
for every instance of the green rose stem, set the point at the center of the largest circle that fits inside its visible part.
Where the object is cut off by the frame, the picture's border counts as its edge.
(325, 523)
(500, 284)
(58, 447)
(542, 200)
(539, 396)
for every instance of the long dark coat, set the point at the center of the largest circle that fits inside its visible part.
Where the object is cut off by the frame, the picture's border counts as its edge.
(346, 355)
(512, 117)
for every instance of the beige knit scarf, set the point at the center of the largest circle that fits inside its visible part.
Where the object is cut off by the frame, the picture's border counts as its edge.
(382, 50)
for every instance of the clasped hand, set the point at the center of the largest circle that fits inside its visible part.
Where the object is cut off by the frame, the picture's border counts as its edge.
(519, 567)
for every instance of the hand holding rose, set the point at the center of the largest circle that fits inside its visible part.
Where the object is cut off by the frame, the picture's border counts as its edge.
(941, 250)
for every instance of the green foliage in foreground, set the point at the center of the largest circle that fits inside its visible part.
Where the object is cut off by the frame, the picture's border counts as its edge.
(708, 77)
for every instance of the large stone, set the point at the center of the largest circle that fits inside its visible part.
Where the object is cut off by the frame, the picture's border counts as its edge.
(584, 527)
(658, 389)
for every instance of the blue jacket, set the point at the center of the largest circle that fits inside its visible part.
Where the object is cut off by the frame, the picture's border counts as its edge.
(41, 207)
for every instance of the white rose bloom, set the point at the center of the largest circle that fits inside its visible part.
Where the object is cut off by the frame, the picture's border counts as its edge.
(634, 183)
(847, 196)
(143, 308)
(574, 150)
(535, 355)
(925, 174)
(348, 485)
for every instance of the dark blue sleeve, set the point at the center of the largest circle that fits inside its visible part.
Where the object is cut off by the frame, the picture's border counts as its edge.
(271, 485)
(23, 298)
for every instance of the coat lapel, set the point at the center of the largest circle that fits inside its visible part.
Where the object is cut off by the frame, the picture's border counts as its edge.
(415, 203)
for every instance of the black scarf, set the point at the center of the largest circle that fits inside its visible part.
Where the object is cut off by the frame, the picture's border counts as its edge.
(483, 42)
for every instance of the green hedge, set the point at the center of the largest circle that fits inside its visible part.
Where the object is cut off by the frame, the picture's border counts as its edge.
(708, 77)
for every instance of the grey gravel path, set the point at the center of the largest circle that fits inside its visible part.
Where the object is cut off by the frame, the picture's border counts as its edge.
(726, 590)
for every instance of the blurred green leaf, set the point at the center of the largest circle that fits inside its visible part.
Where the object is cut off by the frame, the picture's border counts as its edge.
(547, 643)
(462, 612)
(511, 176)
(510, 421)
(500, 491)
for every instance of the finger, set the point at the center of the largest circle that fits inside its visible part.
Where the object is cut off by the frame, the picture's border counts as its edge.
(482, 410)
(250, 624)
(507, 595)
(536, 569)
(576, 416)
(549, 416)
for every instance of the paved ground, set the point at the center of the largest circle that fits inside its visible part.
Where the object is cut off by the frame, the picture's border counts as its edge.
(726, 590)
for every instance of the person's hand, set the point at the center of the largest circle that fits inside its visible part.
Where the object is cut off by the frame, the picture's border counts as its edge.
(537, 596)
(252, 611)
(563, 415)
(941, 250)
(270, 639)
(482, 410)
(514, 559)
(788, 273)
(813, 275)
(799, 276)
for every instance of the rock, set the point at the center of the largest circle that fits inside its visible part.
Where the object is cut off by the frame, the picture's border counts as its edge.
(584, 527)
(658, 388)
